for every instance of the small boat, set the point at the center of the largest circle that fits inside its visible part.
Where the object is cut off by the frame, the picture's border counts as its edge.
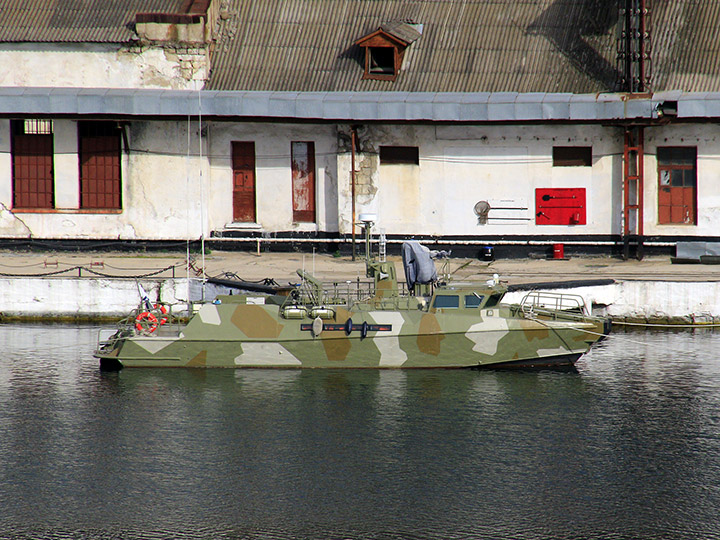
(436, 323)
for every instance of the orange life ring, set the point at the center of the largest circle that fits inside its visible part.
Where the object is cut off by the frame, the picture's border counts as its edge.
(163, 313)
(146, 323)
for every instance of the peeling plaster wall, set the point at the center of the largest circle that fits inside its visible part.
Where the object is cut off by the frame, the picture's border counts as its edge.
(100, 65)
(461, 165)
(173, 189)
(161, 188)
(273, 176)
(165, 185)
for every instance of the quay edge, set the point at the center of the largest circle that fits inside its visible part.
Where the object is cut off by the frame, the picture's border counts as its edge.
(87, 299)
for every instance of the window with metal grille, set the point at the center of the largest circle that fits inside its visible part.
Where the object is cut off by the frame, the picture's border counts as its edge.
(407, 155)
(99, 153)
(34, 126)
(677, 185)
(32, 164)
(572, 156)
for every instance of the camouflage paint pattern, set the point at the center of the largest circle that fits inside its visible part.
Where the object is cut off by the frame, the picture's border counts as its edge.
(384, 331)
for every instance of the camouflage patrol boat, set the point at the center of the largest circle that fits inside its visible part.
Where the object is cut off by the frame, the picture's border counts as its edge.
(437, 324)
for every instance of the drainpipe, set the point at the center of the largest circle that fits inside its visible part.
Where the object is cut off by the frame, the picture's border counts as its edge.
(353, 139)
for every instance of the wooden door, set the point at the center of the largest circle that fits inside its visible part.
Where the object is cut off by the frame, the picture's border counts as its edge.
(99, 165)
(33, 171)
(243, 165)
(303, 181)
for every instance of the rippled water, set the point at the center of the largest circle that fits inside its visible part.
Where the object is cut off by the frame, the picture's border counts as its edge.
(626, 447)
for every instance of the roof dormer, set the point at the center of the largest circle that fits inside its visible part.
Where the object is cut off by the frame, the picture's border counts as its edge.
(385, 48)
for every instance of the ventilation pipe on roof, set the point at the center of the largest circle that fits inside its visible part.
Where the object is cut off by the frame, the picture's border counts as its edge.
(353, 144)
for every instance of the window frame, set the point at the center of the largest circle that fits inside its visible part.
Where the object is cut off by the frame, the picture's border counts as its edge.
(399, 155)
(382, 40)
(572, 156)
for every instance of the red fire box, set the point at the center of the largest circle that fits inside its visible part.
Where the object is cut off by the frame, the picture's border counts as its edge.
(560, 206)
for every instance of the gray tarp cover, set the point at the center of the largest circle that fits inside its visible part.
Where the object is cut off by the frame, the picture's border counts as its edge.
(419, 267)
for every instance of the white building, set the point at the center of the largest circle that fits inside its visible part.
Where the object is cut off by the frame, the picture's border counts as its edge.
(233, 123)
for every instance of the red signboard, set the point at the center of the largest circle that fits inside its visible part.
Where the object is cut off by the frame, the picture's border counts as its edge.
(560, 206)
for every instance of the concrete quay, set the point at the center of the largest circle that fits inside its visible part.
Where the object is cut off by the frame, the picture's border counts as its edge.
(103, 286)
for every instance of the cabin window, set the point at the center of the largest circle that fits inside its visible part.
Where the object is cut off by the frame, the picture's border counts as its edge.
(572, 156)
(99, 151)
(32, 164)
(493, 300)
(447, 301)
(399, 155)
(473, 300)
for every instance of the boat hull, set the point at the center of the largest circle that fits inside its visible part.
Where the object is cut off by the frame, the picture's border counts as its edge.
(257, 336)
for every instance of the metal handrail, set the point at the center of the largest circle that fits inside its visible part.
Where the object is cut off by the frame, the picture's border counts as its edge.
(552, 301)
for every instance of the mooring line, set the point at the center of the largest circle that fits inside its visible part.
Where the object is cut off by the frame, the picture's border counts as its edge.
(654, 325)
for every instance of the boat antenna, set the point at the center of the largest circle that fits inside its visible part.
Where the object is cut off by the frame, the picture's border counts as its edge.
(202, 192)
(187, 221)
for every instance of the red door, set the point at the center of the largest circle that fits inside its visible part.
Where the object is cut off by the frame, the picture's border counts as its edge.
(243, 164)
(33, 171)
(677, 189)
(303, 181)
(99, 165)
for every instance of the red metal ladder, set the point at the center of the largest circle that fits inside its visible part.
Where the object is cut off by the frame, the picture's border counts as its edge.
(633, 179)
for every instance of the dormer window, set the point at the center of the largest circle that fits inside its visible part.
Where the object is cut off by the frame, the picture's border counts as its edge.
(381, 61)
(385, 48)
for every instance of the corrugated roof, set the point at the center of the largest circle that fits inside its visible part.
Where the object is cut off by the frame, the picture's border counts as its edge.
(466, 45)
(93, 21)
(406, 32)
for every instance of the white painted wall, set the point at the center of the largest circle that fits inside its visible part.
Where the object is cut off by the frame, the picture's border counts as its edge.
(173, 189)
(90, 65)
(706, 137)
(161, 188)
(461, 165)
(66, 166)
(273, 176)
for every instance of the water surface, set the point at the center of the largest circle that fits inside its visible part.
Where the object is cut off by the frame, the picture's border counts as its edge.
(626, 447)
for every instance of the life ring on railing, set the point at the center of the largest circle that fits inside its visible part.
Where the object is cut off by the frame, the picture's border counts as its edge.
(146, 323)
(162, 313)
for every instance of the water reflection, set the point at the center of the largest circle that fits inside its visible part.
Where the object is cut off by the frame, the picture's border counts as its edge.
(627, 447)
